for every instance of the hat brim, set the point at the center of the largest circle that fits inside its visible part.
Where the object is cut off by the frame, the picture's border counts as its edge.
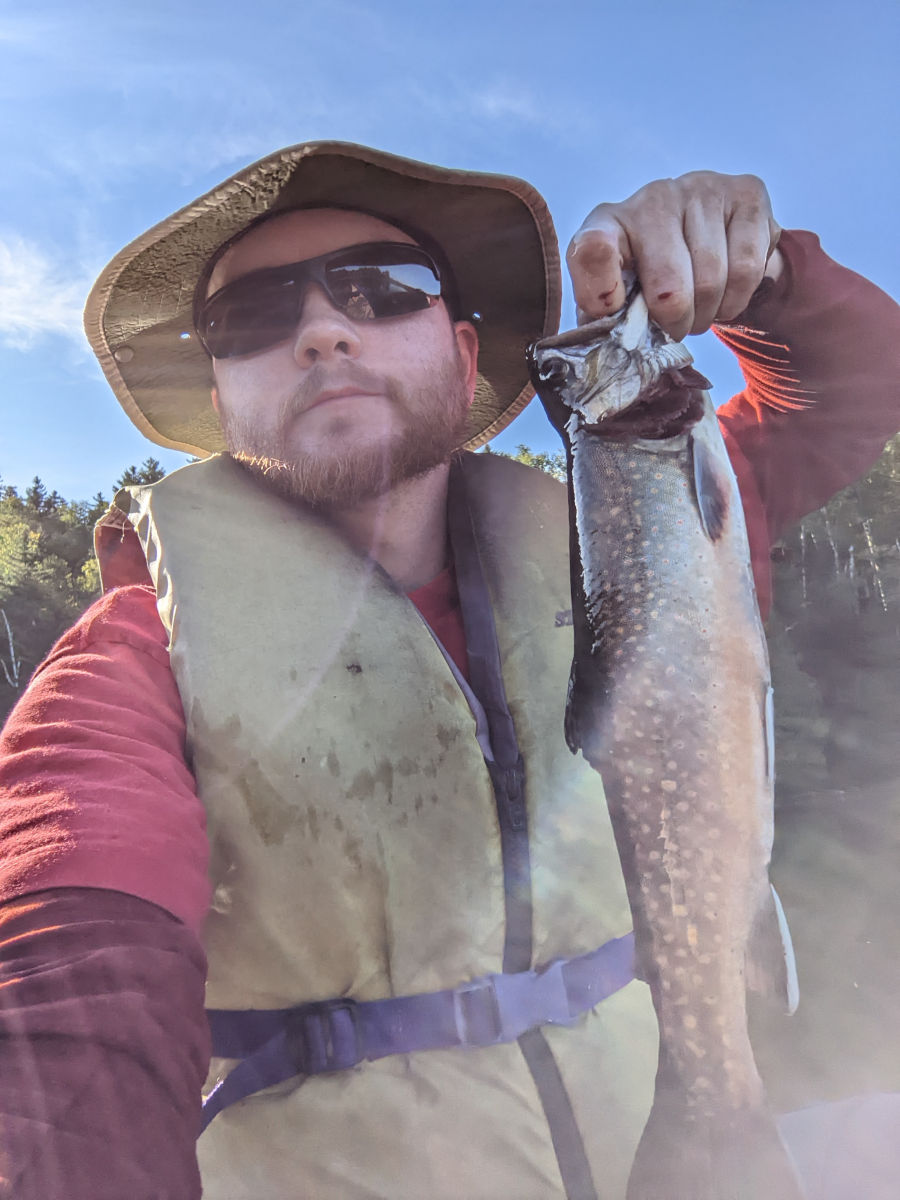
(495, 231)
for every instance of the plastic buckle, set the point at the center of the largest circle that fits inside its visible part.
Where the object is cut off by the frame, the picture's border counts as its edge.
(533, 998)
(325, 1035)
(467, 1007)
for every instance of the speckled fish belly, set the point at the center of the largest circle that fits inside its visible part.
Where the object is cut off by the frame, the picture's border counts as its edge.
(670, 701)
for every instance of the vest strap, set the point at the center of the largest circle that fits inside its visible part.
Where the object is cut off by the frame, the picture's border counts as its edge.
(335, 1035)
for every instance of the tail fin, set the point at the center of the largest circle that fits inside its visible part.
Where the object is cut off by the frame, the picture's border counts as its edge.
(737, 1155)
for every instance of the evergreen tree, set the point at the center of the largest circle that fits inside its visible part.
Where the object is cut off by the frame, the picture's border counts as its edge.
(553, 464)
(149, 471)
(48, 574)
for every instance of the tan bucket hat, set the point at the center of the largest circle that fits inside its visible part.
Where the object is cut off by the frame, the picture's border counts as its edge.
(495, 231)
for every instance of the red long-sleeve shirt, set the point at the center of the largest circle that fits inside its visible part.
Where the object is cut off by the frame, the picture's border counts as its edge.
(103, 884)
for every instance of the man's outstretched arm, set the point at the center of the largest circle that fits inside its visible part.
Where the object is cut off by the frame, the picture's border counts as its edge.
(103, 1035)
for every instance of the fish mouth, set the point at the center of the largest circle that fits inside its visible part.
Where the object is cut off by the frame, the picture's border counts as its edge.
(601, 370)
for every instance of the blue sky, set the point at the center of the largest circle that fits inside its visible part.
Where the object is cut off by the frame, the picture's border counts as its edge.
(117, 115)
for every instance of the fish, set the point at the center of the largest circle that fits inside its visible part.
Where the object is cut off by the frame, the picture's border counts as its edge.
(670, 701)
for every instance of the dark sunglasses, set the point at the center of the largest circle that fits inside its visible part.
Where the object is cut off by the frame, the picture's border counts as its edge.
(368, 282)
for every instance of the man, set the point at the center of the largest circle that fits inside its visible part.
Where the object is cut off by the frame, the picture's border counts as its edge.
(312, 732)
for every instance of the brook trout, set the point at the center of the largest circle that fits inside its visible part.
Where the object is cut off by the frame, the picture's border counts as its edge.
(670, 701)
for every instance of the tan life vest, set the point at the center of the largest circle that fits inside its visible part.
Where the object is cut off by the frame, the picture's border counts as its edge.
(355, 842)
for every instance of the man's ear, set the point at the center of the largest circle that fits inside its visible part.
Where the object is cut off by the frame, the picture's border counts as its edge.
(467, 344)
(214, 396)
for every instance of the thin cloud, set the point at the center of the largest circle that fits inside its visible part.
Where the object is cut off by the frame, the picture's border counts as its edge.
(39, 297)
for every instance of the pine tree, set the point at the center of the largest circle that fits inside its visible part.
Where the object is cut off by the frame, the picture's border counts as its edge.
(48, 574)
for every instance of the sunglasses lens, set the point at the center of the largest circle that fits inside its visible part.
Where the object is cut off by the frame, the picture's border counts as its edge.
(367, 283)
(242, 320)
(387, 290)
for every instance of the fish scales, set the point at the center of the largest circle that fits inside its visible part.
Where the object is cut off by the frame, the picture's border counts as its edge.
(669, 700)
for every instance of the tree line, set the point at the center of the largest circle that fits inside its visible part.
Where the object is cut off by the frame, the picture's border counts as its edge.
(837, 575)
(48, 574)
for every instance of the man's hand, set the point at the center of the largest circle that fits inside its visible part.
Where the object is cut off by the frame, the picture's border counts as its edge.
(699, 244)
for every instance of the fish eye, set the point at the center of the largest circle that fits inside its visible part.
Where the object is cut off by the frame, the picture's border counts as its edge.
(554, 370)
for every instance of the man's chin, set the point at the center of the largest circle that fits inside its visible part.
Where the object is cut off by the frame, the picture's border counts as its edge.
(342, 480)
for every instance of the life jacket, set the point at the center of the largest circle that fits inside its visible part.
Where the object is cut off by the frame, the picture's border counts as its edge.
(358, 849)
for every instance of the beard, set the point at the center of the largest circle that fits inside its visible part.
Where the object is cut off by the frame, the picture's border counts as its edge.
(435, 417)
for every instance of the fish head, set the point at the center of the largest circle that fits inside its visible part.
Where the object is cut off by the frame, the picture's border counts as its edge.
(600, 369)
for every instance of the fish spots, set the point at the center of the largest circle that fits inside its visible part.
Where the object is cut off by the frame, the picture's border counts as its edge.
(688, 1020)
(692, 938)
(668, 785)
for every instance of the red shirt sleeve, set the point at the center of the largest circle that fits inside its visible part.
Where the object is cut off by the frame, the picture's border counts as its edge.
(104, 1048)
(94, 790)
(820, 353)
(103, 1035)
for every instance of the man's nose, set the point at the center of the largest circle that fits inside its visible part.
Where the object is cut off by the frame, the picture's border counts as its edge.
(323, 331)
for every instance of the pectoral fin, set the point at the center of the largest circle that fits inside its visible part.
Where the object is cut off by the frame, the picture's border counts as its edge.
(771, 968)
(710, 488)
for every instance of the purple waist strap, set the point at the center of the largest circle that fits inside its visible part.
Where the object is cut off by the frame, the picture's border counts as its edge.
(334, 1035)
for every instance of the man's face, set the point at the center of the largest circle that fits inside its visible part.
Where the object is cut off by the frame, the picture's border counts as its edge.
(344, 410)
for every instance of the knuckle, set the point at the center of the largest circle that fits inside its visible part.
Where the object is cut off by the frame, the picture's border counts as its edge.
(709, 275)
(752, 184)
(656, 196)
(745, 268)
(675, 305)
(706, 293)
(751, 193)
